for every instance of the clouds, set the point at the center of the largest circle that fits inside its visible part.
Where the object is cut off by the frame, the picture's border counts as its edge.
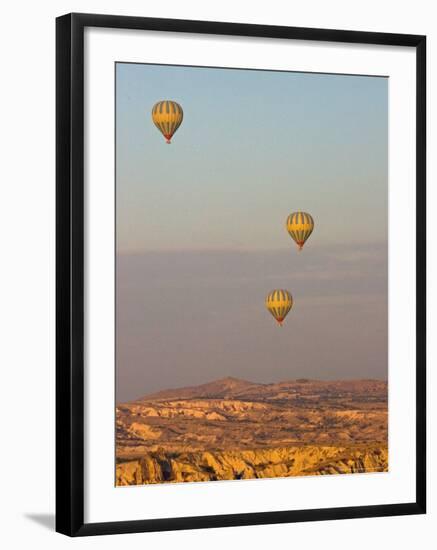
(196, 316)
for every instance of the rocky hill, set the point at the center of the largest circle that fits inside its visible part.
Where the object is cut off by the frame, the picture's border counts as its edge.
(234, 429)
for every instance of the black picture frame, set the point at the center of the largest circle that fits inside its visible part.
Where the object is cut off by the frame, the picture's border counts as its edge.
(70, 273)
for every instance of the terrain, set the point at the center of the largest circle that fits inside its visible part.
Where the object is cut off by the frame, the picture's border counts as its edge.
(235, 429)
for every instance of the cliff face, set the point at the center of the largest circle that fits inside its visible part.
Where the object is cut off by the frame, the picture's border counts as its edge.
(260, 463)
(233, 429)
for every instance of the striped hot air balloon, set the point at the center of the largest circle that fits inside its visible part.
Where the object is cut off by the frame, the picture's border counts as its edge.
(279, 302)
(300, 225)
(167, 116)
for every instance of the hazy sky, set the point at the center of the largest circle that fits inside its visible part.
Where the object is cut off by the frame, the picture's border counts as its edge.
(200, 227)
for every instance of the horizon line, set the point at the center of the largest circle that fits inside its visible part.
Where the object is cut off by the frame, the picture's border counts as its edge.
(132, 252)
(300, 379)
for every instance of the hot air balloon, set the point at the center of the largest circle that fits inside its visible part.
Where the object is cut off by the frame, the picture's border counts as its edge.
(300, 225)
(279, 302)
(167, 117)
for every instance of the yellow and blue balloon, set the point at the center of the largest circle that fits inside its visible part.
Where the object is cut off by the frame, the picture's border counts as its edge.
(167, 116)
(279, 303)
(300, 225)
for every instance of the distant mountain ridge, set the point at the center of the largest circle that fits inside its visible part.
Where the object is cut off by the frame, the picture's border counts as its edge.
(236, 388)
(216, 389)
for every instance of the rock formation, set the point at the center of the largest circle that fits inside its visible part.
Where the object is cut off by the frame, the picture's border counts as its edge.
(234, 429)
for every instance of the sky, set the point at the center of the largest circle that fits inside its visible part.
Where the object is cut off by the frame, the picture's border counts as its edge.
(201, 227)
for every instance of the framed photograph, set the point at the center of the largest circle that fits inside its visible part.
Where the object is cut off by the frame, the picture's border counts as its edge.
(240, 274)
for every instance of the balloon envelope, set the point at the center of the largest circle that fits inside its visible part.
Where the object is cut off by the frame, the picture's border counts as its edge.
(300, 225)
(279, 302)
(167, 116)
